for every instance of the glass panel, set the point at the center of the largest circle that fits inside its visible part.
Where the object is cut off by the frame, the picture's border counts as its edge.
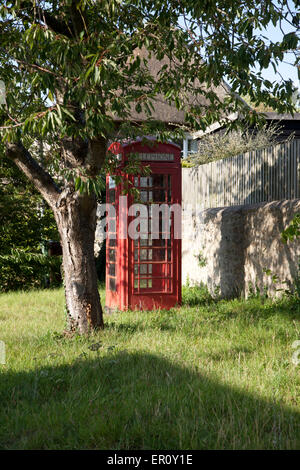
(111, 182)
(146, 182)
(143, 269)
(158, 195)
(112, 242)
(136, 253)
(111, 225)
(149, 282)
(159, 255)
(158, 180)
(136, 269)
(112, 284)
(111, 195)
(112, 269)
(111, 255)
(143, 283)
(144, 196)
(136, 284)
(158, 242)
(136, 181)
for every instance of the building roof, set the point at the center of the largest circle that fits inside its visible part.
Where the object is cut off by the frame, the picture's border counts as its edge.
(163, 111)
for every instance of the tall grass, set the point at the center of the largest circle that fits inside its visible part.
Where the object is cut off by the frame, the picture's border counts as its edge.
(210, 375)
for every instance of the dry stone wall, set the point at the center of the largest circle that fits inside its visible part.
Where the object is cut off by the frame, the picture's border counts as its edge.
(229, 249)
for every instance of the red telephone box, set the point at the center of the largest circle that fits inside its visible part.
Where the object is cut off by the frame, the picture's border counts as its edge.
(143, 266)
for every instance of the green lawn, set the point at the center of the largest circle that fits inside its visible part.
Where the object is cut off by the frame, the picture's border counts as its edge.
(217, 375)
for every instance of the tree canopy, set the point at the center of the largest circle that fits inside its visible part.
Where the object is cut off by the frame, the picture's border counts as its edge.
(71, 68)
(74, 76)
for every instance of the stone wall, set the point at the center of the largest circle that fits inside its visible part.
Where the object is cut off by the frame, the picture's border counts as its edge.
(236, 244)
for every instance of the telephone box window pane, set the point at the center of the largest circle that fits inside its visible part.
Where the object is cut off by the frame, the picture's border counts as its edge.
(143, 283)
(143, 269)
(112, 242)
(169, 254)
(112, 284)
(150, 283)
(136, 254)
(165, 226)
(158, 196)
(111, 195)
(111, 182)
(111, 225)
(158, 242)
(145, 255)
(136, 181)
(136, 284)
(158, 180)
(146, 182)
(111, 255)
(112, 269)
(144, 196)
(159, 255)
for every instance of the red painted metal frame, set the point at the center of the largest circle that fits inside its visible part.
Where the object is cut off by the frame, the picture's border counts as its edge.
(125, 295)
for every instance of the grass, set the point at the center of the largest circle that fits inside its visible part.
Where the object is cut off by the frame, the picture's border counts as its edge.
(209, 375)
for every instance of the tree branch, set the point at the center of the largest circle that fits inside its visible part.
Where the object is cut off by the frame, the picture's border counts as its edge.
(34, 172)
(50, 20)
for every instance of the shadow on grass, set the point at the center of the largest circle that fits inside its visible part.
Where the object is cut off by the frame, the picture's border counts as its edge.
(136, 401)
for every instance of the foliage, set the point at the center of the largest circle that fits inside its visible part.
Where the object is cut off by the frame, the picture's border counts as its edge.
(202, 260)
(195, 295)
(261, 108)
(211, 376)
(292, 231)
(227, 144)
(70, 67)
(26, 222)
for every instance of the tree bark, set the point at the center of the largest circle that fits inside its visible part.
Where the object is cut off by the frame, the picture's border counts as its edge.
(76, 220)
(75, 215)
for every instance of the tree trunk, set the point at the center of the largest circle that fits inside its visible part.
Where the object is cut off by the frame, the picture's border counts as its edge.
(76, 220)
